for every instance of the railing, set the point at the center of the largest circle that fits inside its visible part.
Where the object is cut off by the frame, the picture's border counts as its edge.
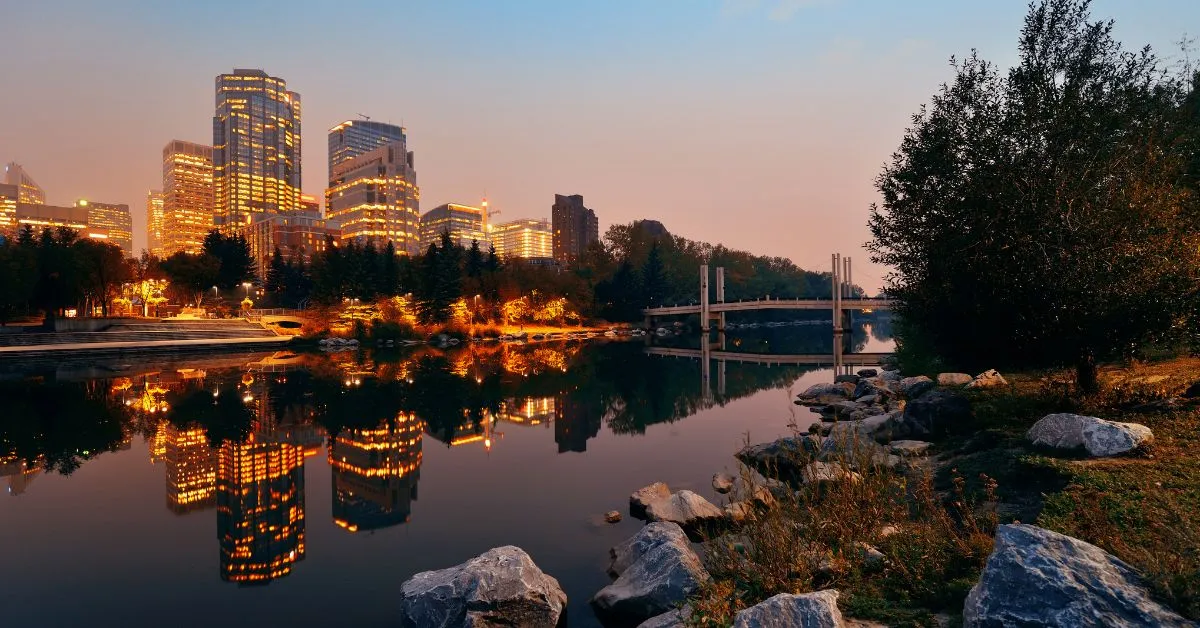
(255, 315)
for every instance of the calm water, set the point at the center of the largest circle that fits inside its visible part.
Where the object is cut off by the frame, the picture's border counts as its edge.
(269, 489)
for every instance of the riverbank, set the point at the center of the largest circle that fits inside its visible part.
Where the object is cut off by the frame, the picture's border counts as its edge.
(904, 538)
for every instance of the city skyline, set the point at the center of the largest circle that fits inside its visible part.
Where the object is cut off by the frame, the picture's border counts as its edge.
(736, 112)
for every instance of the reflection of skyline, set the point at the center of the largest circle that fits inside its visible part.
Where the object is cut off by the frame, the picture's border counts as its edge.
(20, 474)
(191, 463)
(260, 508)
(375, 473)
(577, 421)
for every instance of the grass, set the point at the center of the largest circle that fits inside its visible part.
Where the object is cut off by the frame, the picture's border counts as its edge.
(1143, 507)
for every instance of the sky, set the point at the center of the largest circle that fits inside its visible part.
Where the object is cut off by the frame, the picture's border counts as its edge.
(757, 124)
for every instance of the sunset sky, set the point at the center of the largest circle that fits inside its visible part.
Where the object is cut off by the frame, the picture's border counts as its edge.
(759, 124)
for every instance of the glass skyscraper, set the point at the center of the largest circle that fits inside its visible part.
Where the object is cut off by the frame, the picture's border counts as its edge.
(187, 196)
(355, 137)
(256, 148)
(154, 222)
(28, 190)
(374, 198)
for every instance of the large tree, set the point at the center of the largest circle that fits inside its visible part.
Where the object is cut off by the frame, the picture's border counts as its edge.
(1043, 216)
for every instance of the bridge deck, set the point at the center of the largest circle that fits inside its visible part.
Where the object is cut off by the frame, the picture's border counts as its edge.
(771, 304)
(848, 359)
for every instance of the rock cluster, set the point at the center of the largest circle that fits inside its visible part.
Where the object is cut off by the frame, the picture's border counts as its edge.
(1099, 437)
(501, 587)
(686, 508)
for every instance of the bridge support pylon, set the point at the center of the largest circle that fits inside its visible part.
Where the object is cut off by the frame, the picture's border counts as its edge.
(721, 297)
(705, 323)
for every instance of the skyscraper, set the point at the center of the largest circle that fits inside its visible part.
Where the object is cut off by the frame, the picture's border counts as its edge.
(525, 238)
(187, 196)
(374, 197)
(154, 222)
(575, 227)
(375, 473)
(256, 148)
(28, 190)
(355, 137)
(463, 222)
(8, 210)
(114, 219)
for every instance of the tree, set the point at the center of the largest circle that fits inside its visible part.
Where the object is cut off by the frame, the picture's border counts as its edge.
(1043, 217)
(16, 264)
(273, 283)
(103, 269)
(193, 274)
(235, 264)
(654, 282)
(389, 272)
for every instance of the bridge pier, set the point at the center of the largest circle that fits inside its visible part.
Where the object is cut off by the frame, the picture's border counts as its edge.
(704, 311)
(721, 297)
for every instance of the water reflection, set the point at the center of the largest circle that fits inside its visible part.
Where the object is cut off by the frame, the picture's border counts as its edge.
(232, 436)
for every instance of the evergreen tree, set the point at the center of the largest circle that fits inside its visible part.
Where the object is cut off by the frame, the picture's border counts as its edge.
(389, 272)
(475, 261)
(654, 281)
(276, 275)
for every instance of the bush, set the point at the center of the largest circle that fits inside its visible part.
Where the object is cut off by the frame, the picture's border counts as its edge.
(393, 330)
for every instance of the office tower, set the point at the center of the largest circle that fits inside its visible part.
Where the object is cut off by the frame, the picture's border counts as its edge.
(113, 218)
(375, 199)
(41, 217)
(575, 227)
(260, 508)
(187, 196)
(355, 137)
(375, 473)
(256, 148)
(9, 195)
(525, 238)
(310, 206)
(28, 191)
(154, 222)
(298, 236)
(463, 222)
(191, 469)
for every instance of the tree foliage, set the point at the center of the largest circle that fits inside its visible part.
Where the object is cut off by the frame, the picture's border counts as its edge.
(1046, 215)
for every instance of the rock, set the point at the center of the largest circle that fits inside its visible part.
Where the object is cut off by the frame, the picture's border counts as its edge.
(841, 408)
(501, 587)
(890, 376)
(1193, 391)
(657, 581)
(868, 388)
(823, 472)
(612, 516)
(739, 511)
(867, 372)
(953, 379)
(909, 447)
(685, 508)
(859, 436)
(643, 497)
(933, 414)
(870, 556)
(1099, 437)
(886, 531)
(988, 379)
(826, 393)
(649, 537)
(845, 379)
(868, 399)
(913, 387)
(782, 458)
(1036, 577)
(673, 619)
(722, 483)
(786, 610)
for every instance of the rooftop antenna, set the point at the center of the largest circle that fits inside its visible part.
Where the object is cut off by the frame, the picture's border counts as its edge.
(365, 117)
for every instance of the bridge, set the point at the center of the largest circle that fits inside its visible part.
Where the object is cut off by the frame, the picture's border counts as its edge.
(842, 301)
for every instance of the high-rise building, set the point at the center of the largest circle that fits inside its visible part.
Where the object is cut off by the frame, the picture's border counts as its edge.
(187, 196)
(28, 191)
(463, 222)
(40, 217)
(154, 222)
(310, 205)
(191, 469)
(375, 199)
(256, 148)
(525, 238)
(260, 508)
(355, 137)
(114, 219)
(375, 473)
(575, 227)
(9, 197)
(298, 236)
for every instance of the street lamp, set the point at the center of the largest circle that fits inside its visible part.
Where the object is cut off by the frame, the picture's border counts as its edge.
(246, 285)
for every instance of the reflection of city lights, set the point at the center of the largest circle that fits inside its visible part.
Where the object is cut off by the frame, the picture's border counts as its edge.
(248, 398)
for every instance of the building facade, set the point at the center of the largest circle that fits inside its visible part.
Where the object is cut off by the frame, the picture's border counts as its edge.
(356, 137)
(375, 473)
(256, 148)
(375, 198)
(575, 227)
(9, 197)
(463, 222)
(154, 222)
(525, 239)
(41, 217)
(113, 218)
(187, 196)
(28, 191)
(299, 236)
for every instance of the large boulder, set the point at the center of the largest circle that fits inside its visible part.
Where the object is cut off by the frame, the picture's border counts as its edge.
(933, 414)
(501, 587)
(827, 393)
(988, 379)
(1099, 437)
(781, 458)
(869, 388)
(909, 448)
(662, 576)
(685, 508)
(671, 619)
(787, 610)
(867, 372)
(913, 387)
(827, 472)
(643, 497)
(1036, 577)
(649, 537)
(953, 379)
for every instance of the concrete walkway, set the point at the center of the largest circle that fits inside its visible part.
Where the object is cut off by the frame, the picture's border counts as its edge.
(147, 344)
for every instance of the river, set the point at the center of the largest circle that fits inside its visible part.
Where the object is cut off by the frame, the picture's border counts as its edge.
(265, 489)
